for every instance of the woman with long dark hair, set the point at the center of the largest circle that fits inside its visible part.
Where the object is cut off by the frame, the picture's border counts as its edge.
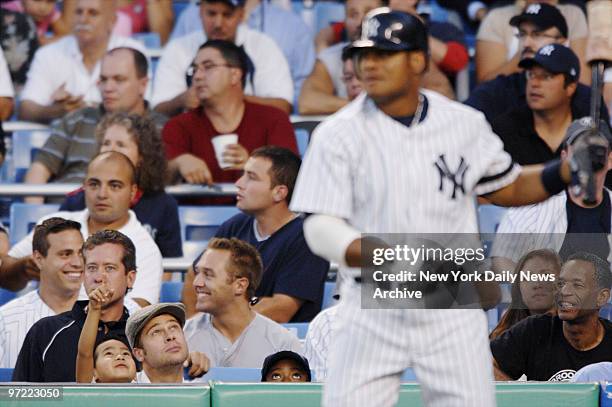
(528, 297)
(138, 138)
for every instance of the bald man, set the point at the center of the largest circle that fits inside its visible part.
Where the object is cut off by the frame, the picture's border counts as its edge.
(109, 188)
(64, 74)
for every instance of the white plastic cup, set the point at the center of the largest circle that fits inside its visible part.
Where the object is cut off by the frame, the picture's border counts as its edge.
(220, 143)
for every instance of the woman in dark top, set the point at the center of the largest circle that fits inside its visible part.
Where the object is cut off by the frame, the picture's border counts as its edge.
(530, 298)
(138, 138)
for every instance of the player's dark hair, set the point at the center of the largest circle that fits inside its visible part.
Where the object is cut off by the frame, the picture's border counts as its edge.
(234, 55)
(517, 311)
(602, 274)
(51, 226)
(245, 261)
(285, 166)
(117, 238)
(140, 61)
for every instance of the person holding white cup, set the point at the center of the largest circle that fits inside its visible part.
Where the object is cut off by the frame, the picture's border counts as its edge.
(211, 143)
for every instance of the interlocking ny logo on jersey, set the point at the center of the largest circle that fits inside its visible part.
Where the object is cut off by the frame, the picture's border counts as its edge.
(448, 177)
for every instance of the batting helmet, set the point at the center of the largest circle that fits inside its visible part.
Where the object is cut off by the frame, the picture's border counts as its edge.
(389, 30)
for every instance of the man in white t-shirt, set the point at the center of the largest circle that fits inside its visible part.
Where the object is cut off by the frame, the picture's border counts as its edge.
(229, 332)
(7, 93)
(269, 79)
(56, 250)
(63, 75)
(109, 188)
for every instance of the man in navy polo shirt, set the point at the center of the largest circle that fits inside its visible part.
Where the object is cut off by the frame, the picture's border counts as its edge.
(291, 288)
(537, 27)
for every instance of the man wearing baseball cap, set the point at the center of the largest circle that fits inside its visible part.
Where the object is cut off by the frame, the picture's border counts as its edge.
(533, 134)
(269, 80)
(539, 25)
(155, 334)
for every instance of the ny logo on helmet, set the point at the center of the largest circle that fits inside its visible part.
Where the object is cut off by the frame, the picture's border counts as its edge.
(456, 179)
(372, 28)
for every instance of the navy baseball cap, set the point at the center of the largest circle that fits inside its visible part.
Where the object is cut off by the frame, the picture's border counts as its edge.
(543, 16)
(555, 58)
(233, 3)
(271, 360)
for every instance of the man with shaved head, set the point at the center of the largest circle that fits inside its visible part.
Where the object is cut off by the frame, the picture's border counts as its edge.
(63, 75)
(109, 188)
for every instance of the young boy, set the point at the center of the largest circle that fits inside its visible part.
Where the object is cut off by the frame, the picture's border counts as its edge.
(107, 359)
(285, 366)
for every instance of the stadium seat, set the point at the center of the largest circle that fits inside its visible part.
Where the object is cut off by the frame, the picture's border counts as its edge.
(24, 216)
(178, 6)
(327, 12)
(150, 40)
(298, 328)
(489, 218)
(606, 312)
(201, 222)
(171, 291)
(302, 137)
(408, 376)
(328, 295)
(233, 374)
(6, 296)
(6, 375)
(25, 146)
(192, 249)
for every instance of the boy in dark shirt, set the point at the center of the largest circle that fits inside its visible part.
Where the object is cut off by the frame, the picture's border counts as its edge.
(553, 348)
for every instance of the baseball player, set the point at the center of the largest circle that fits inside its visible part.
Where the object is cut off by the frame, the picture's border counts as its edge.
(399, 159)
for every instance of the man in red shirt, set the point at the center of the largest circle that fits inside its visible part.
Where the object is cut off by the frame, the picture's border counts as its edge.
(220, 70)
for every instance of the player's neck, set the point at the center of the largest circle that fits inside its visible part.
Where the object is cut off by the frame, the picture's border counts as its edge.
(94, 225)
(585, 335)
(272, 219)
(168, 374)
(233, 320)
(401, 105)
(56, 299)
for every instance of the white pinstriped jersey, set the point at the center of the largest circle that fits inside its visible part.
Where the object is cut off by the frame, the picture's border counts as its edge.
(16, 319)
(318, 341)
(542, 225)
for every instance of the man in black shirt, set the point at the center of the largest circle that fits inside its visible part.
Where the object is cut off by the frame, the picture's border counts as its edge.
(506, 92)
(553, 348)
(49, 351)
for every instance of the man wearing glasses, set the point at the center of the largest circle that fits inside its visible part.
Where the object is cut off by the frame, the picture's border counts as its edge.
(537, 26)
(219, 74)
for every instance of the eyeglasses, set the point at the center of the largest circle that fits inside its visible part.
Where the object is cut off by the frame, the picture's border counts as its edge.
(207, 67)
(543, 76)
(536, 36)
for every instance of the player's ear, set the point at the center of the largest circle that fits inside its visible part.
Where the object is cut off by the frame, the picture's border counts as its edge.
(603, 297)
(418, 62)
(280, 193)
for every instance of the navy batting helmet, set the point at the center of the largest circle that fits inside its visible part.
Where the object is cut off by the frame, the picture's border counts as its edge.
(389, 30)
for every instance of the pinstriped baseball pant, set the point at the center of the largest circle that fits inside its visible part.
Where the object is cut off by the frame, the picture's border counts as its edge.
(448, 350)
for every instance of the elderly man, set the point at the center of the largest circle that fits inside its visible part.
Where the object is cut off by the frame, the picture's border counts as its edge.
(63, 75)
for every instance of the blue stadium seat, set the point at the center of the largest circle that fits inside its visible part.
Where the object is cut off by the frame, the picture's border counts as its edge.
(298, 328)
(24, 217)
(6, 296)
(171, 291)
(25, 146)
(178, 6)
(201, 222)
(192, 249)
(302, 137)
(606, 312)
(489, 217)
(409, 376)
(328, 295)
(6, 375)
(327, 12)
(232, 374)
(150, 40)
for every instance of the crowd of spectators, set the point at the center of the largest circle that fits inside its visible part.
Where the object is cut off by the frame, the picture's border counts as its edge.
(126, 127)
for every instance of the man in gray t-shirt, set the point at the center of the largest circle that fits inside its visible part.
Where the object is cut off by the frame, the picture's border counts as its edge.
(229, 332)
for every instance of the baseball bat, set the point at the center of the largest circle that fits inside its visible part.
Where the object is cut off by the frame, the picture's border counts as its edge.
(597, 68)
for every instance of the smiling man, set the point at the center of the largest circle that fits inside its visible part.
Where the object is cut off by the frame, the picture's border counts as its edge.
(109, 188)
(553, 348)
(56, 248)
